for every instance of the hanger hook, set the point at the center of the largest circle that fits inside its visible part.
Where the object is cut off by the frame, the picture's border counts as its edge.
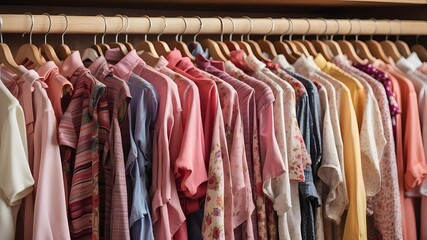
(121, 29)
(165, 24)
(105, 28)
(178, 37)
(250, 27)
(360, 30)
(308, 29)
(31, 27)
(222, 28)
(400, 29)
(230, 37)
(338, 29)
(48, 30)
(200, 29)
(289, 27)
(351, 28)
(375, 29)
(150, 25)
(292, 29)
(127, 27)
(1, 29)
(389, 29)
(66, 28)
(326, 29)
(271, 29)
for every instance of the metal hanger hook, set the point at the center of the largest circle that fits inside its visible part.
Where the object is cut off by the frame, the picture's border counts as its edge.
(389, 29)
(375, 29)
(292, 29)
(308, 29)
(66, 28)
(165, 24)
(31, 27)
(351, 28)
(271, 29)
(150, 25)
(230, 37)
(48, 30)
(200, 29)
(178, 37)
(127, 27)
(360, 30)
(121, 29)
(289, 27)
(1, 29)
(250, 27)
(105, 27)
(222, 28)
(326, 29)
(338, 30)
(400, 29)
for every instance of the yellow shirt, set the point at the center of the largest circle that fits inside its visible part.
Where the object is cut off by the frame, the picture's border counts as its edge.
(356, 88)
(351, 94)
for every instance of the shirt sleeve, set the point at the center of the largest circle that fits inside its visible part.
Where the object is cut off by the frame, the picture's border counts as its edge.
(16, 179)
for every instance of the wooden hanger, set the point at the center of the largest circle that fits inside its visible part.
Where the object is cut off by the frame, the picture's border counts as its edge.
(290, 52)
(211, 45)
(221, 44)
(361, 48)
(6, 57)
(256, 50)
(420, 50)
(321, 47)
(390, 48)
(307, 44)
(127, 44)
(180, 45)
(162, 48)
(402, 46)
(267, 46)
(103, 46)
(62, 50)
(333, 45)
(118, 44)
(348, 49)
(231, 45)
(29, 51)
(146, 45)
(46, 49)
(375, 47)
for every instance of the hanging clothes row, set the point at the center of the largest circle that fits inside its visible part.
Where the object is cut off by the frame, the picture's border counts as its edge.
(296, 139)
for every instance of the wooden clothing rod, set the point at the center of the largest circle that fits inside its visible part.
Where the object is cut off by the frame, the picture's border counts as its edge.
(20, 23)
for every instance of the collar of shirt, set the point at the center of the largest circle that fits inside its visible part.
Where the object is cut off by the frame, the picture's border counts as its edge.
(125, 64)
(237, 57)
(405, 65)
(99, 68)
(71, 64)
(254, 64)
(305, 64)
(414, 60)
(320, 61)
(161, 63)
(283, 63)
(50, 69)
(114, 55)
(218, 64)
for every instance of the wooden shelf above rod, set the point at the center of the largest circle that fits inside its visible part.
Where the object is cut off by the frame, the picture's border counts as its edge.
(20, 23)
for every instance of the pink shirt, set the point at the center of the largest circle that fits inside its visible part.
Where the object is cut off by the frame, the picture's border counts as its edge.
(50, 215)
(116, 223)
(411, 166)
(217, 221)
(57, 84)
(167, 213)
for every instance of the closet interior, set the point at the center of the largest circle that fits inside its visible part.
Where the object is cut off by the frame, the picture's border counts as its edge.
(213, 120)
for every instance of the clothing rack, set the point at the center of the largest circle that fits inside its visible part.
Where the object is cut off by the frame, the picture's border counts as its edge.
(20, 23)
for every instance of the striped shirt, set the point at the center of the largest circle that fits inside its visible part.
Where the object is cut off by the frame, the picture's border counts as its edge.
(116, 220)
(78, 137)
